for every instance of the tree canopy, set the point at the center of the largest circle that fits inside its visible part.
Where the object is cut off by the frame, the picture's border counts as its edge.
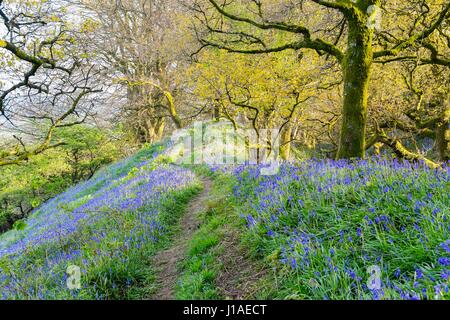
(337, 78)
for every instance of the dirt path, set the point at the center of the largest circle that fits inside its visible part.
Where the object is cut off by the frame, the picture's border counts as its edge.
(239, 276)
(166, 261)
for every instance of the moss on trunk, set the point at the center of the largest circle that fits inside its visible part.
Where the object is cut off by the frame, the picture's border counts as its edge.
(443, 136)
(356, 66)
(285, 142)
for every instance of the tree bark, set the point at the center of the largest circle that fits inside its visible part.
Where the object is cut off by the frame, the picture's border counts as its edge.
(173, 111)
(356, 66)
(443, 137)
(285, 142)
(216, 110)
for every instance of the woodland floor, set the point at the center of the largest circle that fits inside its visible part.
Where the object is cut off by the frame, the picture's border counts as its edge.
(238, 274)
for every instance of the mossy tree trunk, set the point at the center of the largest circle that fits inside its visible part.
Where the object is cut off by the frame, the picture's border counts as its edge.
(356, 65)
(155, 130)
(443, 136)
(216, 110)
(285, 142)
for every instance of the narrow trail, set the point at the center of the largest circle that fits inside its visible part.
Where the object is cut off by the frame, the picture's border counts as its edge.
(239, 275)
(166, 261)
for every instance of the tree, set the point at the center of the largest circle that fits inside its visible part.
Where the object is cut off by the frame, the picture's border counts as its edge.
(343, 29)
(26, 186)
(424, 116)
(257, 92)
(47, 79)
(141, 43)
(87, 148)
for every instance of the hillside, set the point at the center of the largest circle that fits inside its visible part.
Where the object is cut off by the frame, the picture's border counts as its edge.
(318, 229)
(261, 154)
(107, 226)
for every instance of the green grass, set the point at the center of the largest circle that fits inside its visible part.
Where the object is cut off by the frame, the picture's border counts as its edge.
(320, 244)
(197, 280)
(114, 249)
(145, 274)
(335, 265)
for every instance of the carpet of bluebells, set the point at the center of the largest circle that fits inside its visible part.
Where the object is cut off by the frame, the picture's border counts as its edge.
(368, 229)
(330, 227)
(104, 226)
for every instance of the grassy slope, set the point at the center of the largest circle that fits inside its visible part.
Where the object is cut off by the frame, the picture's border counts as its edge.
(199, 271)
(322, 225)
(318, 225)
(112, 243)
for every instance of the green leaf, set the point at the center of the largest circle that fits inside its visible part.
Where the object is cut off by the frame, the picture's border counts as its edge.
(19, 225)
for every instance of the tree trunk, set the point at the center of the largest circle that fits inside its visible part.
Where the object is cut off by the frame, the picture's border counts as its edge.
(356, 67)
(159, 128)
(285, 142)
(443, 137)
(154, 130)
(175, 117)
(216, 110)
(172, 110)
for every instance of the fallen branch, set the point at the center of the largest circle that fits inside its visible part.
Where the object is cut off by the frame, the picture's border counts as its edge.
(401, 152)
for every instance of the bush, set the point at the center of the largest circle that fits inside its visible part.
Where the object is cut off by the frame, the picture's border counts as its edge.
(25, 187)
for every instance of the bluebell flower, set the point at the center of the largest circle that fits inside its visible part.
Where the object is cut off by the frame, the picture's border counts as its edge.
(359, 232)
(415, 296)
(445, 275)
(444, 261)
(419, 274)
(446, 246)
(352, 274)
(293, 263)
